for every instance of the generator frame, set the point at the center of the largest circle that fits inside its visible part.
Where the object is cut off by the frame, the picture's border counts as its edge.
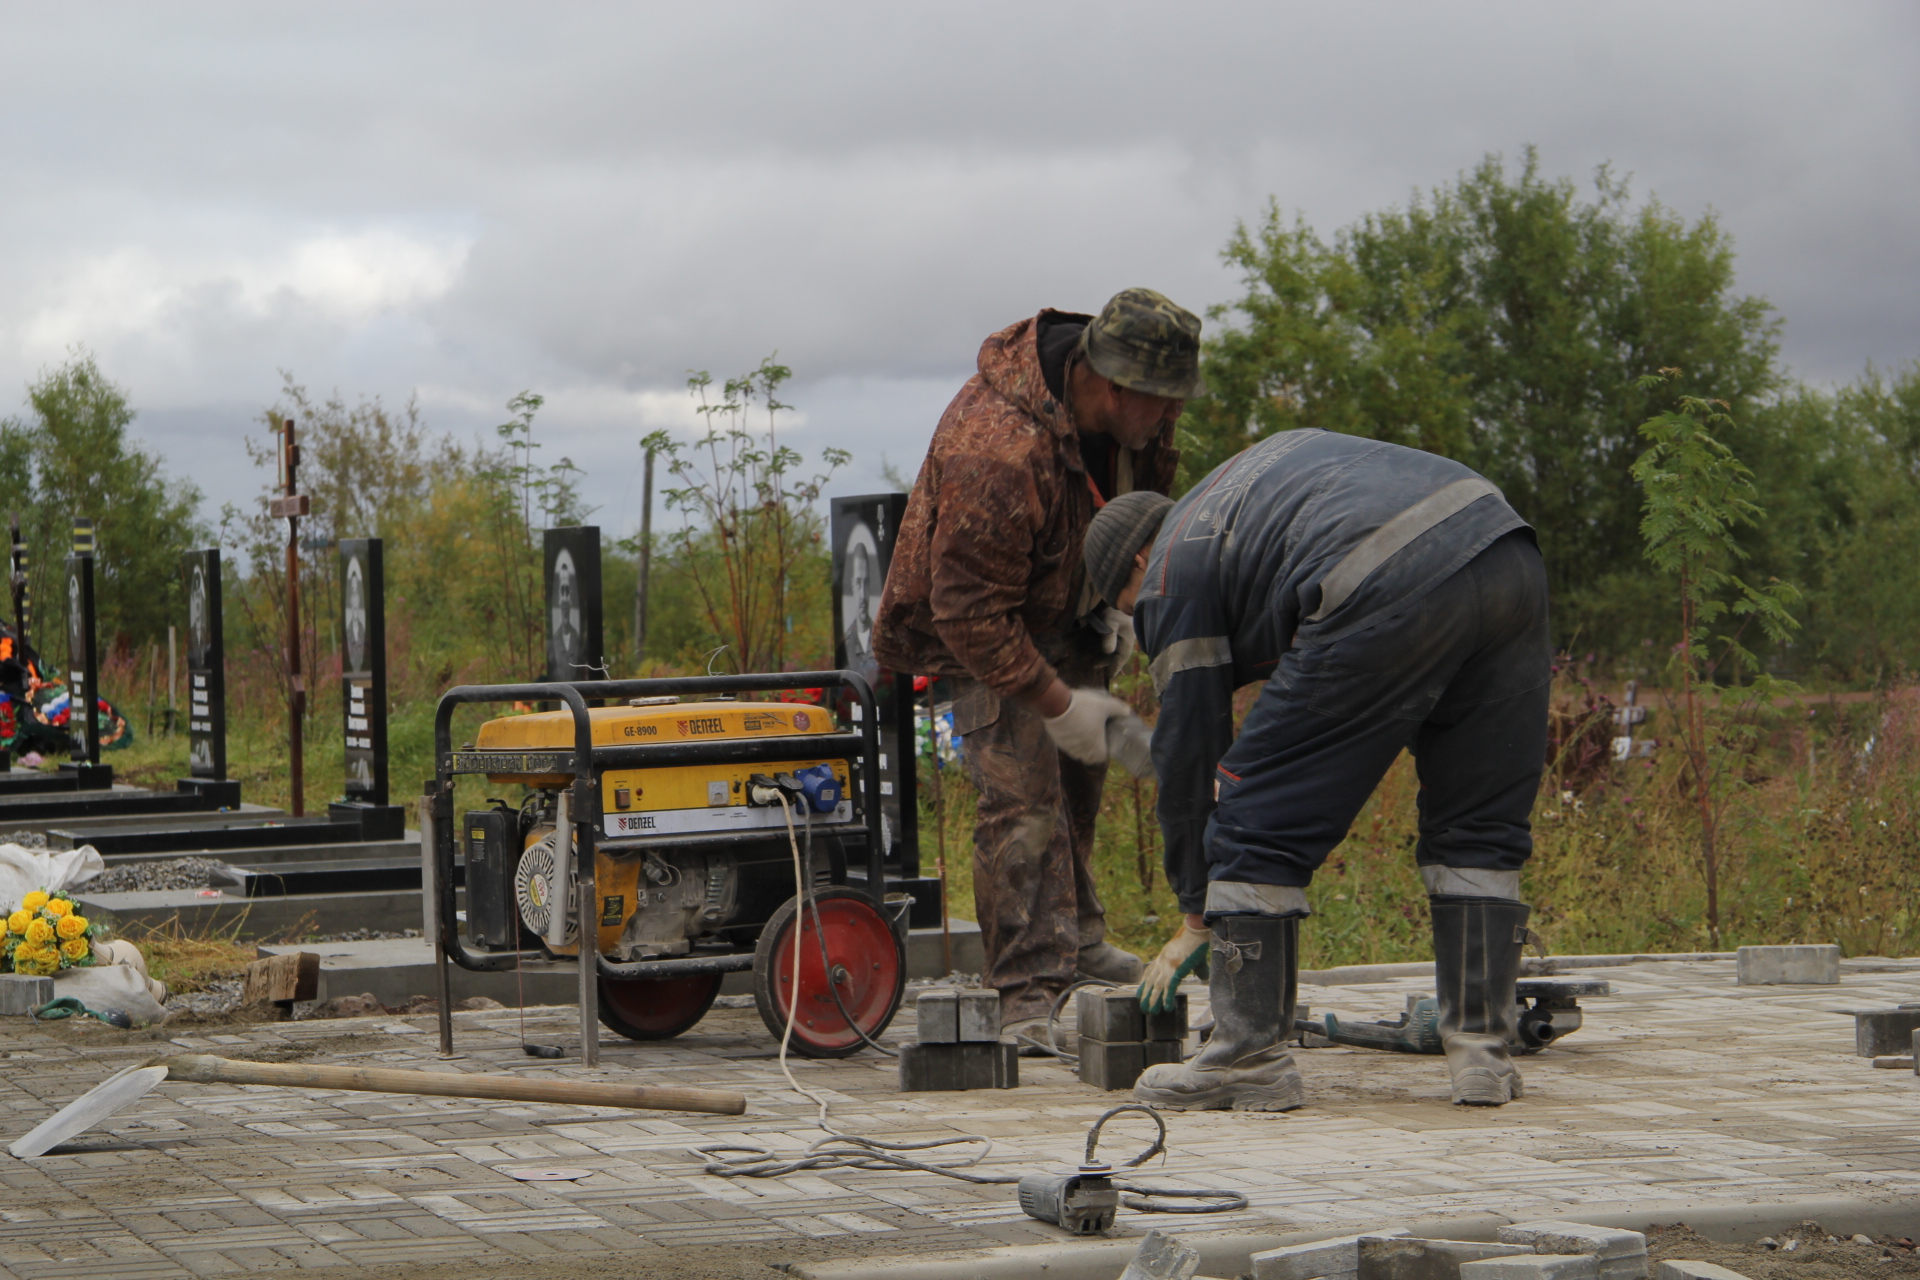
(587, 763)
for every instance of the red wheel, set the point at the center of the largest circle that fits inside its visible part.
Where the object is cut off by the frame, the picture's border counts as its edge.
(656, 1008)
(863, 958)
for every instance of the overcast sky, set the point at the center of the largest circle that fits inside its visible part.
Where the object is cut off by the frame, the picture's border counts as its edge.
(462, 201)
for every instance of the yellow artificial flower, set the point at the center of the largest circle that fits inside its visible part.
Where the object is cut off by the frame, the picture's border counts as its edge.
(19, 920)
(35, 900)
(60, 907)
(74, 948)
(40, 932)
(71, 926)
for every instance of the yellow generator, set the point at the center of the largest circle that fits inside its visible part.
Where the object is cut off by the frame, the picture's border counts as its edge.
(680, 835)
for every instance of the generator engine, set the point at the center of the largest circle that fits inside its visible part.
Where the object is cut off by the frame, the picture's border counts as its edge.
(691, 861)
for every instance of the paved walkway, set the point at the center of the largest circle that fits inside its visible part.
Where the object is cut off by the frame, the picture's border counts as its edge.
(1682, 1088)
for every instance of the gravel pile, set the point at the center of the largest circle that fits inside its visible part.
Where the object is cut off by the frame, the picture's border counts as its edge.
(31, 839)
(366, 935)
(144, 877)
(222, 995)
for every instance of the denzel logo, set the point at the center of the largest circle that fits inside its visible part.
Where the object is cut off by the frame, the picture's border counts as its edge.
(705, 725)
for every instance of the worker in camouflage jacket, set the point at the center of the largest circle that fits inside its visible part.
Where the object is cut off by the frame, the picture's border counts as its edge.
(1386, 599)
(987, 586)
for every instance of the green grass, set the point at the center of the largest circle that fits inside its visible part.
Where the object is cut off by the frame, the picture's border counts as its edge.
(1821, 844)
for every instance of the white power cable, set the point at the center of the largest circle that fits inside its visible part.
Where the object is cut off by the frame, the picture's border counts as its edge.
(793, 996)
(852, 1151)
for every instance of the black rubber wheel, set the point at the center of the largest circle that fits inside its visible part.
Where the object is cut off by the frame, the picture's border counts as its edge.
(863, 959)
(656, 1008)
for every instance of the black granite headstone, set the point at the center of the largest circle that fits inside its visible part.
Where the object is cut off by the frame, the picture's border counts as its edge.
(363, 667)
(575, 644)
(363, 690)
(83, 662)
(863, 531)
(22, 593)
(206, 682)
(206, 666)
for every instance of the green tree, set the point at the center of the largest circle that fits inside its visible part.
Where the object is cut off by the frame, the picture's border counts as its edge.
(1695, 494)
(73, 456)
(1840, 477)
(1501, 320)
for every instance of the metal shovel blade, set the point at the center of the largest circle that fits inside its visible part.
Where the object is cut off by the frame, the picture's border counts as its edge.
(89, 1109)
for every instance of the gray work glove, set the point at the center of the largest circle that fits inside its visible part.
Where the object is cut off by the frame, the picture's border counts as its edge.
(1130, 745)
(1081, 730)
(1118, 639)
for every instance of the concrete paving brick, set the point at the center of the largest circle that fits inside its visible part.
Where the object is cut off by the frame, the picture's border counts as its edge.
(1335, 1257)
(1408, 1258)
(1534, 1266)
(1683, 1270)
(1816, 964)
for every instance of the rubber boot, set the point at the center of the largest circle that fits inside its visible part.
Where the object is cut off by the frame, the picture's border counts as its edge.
(1245, 1065)
(1108, 963)
(1476, 962)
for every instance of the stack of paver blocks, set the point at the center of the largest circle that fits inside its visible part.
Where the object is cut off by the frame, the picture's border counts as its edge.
(1880, 1033)
(1682, 1269)
(959, 1044)
(1118, 1041)
(1526, 1251)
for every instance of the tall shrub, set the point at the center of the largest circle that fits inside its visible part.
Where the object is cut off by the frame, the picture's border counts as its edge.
(751, 520)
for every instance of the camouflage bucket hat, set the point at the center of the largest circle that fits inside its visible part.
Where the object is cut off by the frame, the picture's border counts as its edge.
(1145, 342)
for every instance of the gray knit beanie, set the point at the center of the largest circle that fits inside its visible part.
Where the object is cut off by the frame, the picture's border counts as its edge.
(1118, 532)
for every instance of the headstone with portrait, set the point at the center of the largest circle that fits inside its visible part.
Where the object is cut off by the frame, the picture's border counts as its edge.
(575, 644)
(206, 678)
(863, 531)
(363, 691)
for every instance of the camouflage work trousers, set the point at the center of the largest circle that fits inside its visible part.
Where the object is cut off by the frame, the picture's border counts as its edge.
(1033, 888)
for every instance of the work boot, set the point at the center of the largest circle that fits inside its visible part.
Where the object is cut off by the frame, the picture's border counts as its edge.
(1476, 962)
(1109, 963)
(1245, 1065)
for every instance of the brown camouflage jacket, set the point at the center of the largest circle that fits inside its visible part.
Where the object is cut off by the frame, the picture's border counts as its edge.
(986, 576)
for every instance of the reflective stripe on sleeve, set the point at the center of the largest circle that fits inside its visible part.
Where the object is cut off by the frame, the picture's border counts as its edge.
(1185, 655)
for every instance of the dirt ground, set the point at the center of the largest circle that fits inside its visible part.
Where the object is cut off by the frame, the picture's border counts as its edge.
(1807, 1252)
(1815, 1255)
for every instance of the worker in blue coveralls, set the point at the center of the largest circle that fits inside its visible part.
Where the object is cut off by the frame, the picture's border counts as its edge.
(1388, 598)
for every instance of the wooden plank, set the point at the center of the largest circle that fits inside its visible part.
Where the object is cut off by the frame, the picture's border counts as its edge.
(204, 1069)
(282, 979)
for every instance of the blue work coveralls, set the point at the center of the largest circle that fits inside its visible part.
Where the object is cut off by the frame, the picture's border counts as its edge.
(1390, 599)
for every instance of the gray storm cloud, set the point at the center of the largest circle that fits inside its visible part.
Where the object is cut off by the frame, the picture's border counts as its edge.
(589, 200)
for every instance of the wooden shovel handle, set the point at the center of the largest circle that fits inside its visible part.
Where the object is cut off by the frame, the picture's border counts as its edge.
(200, 1068)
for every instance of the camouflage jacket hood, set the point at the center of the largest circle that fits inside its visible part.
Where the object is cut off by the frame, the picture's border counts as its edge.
(986, 574)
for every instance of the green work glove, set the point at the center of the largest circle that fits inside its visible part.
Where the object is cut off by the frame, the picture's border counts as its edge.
(1185, 953)
(61, 1007)
(71, 1007)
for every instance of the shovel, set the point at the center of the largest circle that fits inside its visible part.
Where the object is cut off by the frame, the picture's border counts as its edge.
(129, 1086)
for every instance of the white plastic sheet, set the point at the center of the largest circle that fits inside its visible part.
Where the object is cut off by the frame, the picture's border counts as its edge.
(22, 870)
(112, 986)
